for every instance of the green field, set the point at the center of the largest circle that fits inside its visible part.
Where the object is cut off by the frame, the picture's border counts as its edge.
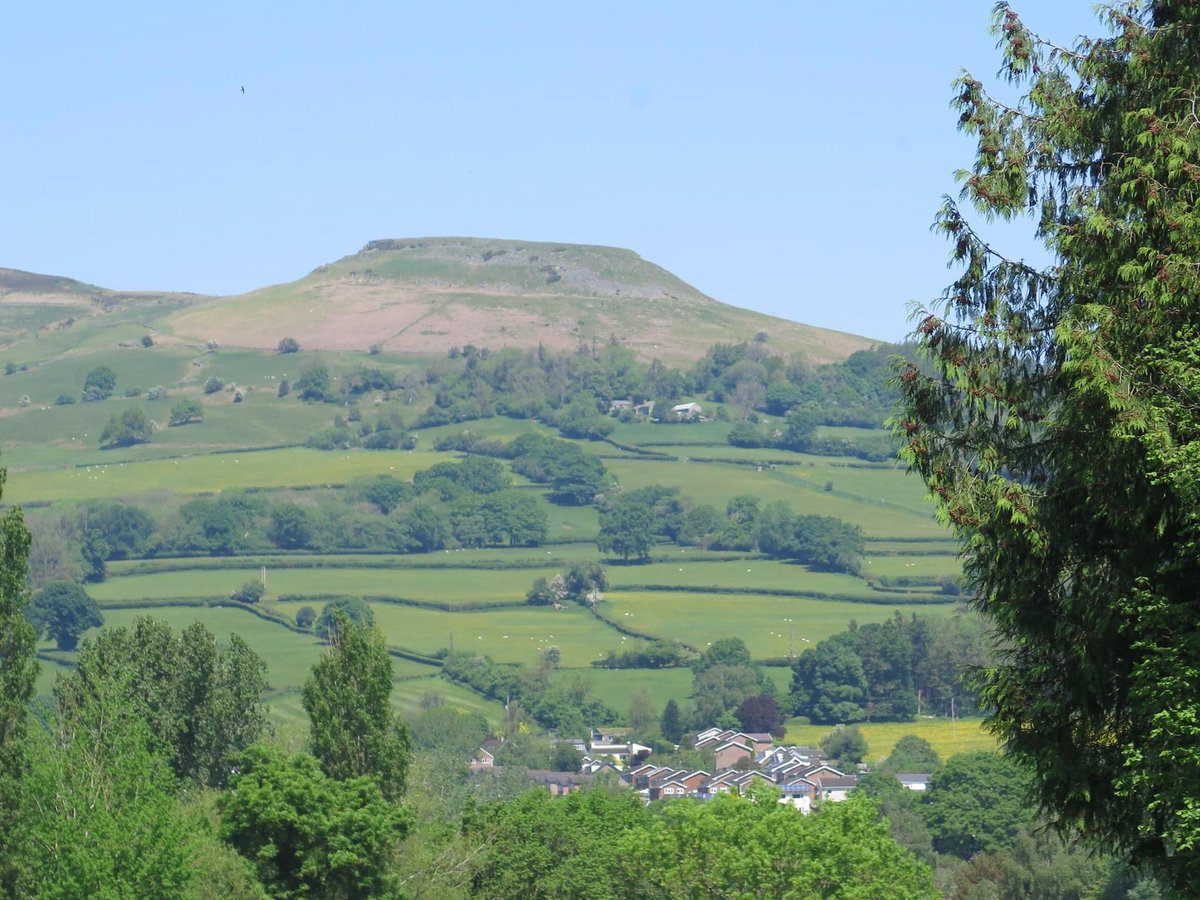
(683, 594)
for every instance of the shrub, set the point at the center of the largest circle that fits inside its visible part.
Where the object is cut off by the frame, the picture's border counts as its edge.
(64, 400)
(289, 345)
(305, 616)
(147, 341)
(212, 384)
(99, 384)
(250, 592)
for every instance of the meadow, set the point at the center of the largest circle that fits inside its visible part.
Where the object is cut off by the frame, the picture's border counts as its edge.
(467, 599)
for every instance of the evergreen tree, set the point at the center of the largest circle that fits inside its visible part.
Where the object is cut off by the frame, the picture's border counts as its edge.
(1057, 430)
(671, 723)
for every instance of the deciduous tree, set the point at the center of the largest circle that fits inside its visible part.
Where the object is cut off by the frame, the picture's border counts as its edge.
(63, 610)
(347, 695)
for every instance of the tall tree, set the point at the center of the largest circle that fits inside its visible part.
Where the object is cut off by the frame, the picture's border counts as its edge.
(18, 669)
(201, 701)
(347, 696)
(1057, 429)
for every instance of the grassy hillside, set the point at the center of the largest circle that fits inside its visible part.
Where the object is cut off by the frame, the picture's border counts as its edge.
(424, 295)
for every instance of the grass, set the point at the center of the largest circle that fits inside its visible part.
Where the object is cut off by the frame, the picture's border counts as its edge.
(293, 467)
(947, 737)
(444, 585)
(507, 635)
(764, 623)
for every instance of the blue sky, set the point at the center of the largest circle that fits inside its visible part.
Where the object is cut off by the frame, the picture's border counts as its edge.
(786, 157)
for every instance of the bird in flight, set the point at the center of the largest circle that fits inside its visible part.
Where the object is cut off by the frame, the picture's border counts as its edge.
(243, 89)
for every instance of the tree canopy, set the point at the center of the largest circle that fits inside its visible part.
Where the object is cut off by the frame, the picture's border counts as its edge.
(347, 696)
(1058, 427)
(64, 611)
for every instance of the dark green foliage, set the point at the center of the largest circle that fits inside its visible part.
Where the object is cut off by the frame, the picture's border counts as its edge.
(651, 655)
(582, 578)
(977, 803)
(126, 429)
(249, 592)
(828, 682)
(99, 384)
(722, 652)
(627, 528)
(509, 517)
(539, 594)
(64, 611)
(18, 670)
(386, 492)
(308, 834)
(846, 745)
(889, 671)
(353, 608)
(314, 383)
(201, 701)
(288, 345)
(284, 388)
(291, 526)
(124, 531)
(147, 341)
(212, 384)
(671, 723)
(347, 695)
(64, 400)
(185, 412)
(306, 616)
(218, 525)
(913, 754)
(1057, 431)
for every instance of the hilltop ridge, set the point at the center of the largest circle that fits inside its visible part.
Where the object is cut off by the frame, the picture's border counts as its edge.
(425, 295)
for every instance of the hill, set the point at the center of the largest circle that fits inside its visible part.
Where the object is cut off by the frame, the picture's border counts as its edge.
(423, 295)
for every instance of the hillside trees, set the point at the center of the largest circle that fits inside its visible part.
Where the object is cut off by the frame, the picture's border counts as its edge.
(186, 412)
(99, 384)
(1058, 430)
(125, 429)
(889, 671)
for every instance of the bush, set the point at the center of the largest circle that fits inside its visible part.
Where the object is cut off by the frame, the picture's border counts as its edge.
(305, 616)
(147, 341)
(212, 384)
(289, 345)
(354, 609)
(250, 592)
(64, 400)
(99, 384)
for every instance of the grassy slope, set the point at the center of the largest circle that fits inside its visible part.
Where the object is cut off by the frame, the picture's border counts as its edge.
(426, 294)
(58, 330)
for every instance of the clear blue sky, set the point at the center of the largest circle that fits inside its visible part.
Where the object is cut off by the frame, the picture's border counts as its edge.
(787, 157)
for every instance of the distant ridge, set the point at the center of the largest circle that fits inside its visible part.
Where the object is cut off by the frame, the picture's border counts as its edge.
(426, 295)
